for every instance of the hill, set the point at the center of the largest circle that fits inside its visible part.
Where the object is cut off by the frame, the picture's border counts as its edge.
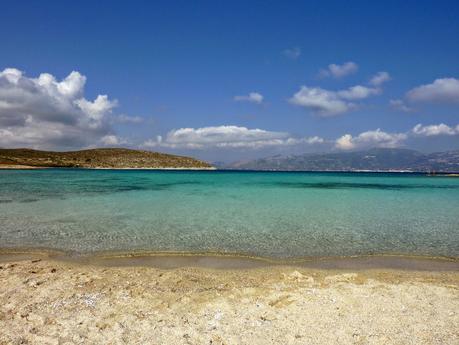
(117, 158)
(378, 159)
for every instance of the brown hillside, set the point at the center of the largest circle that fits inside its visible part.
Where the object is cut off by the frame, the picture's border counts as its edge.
(98, 158)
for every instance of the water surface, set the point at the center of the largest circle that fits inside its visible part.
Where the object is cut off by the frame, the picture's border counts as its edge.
(274, 214)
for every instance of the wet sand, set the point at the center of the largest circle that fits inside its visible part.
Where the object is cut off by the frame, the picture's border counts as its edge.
(207, 300)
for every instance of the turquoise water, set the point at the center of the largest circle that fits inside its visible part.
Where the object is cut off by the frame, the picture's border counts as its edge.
(259, 213)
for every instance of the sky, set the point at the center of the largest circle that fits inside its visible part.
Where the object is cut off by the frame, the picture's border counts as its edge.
(230, 80)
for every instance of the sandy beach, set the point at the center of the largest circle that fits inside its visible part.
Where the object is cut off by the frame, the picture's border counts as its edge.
(48, 301)
(18, 167)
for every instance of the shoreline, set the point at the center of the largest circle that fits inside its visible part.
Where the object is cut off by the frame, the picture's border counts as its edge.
(426, 173)
(30, 167)
(19, 167)
(171, 260)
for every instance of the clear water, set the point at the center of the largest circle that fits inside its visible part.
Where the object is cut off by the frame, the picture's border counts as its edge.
(258, 213)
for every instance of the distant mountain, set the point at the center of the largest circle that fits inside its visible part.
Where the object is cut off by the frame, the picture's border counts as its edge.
(97, 158)
(377, 159)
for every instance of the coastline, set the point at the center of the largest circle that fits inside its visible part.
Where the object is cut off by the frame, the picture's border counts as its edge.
(221, 260)
(19, 167)
(29, 167)
(46, 300)
(161, 168)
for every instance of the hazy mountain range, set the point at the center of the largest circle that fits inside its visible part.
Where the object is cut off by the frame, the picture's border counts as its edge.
(377, 159)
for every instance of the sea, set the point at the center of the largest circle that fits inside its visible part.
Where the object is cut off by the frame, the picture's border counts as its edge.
(265, 214)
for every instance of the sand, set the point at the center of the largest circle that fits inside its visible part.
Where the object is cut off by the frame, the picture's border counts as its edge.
(17, 167)
(44, 301)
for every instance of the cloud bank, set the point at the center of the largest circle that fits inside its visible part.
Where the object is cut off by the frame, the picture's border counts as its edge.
(227, 137)
(379, 138)
(45, 113)
(235, 137)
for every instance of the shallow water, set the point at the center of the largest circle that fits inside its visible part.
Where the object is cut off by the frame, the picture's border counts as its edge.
(273, 214)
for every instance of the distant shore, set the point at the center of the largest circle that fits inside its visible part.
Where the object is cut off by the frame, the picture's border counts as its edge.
(18, 167)
(28, 167)
(159, 168)
(45, 301)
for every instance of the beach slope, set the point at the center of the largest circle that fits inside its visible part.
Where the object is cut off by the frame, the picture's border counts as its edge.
(44, 301)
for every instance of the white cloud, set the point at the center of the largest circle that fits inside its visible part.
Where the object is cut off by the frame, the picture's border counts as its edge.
(46, 113)
(293, 53)
(253, 97)
(339, 71)
(358, 92)
(315, 140)
(321, 101)
(380, 78)
(72, 86)
(398, 104)
(127, 119)
(370, 139)
(441, 90)
(329, 103)
(379, 138)
(12, 75)
(345, 142)
(235, 137)
(434, 130)
(112, 140)
(98, 108)
(226, 137)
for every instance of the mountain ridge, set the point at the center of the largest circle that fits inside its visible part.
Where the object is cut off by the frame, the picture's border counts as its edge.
(376, 159)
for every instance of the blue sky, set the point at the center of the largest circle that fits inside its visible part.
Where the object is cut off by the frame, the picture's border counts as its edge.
(184, 71)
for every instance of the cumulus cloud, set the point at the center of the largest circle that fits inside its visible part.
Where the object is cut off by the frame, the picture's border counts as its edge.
(398, 104)
(376, 138)
(236, 137)
(226, 137)
(253, 97)
(43, 112)
(380, 78)
(293, 53)
(379, 138)
(441, 90)
(339, 71)
(434, 130)
(358, 92)
(329, 103)
(98, 108)
(112, 140)
(345, 142)
(321, 101)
